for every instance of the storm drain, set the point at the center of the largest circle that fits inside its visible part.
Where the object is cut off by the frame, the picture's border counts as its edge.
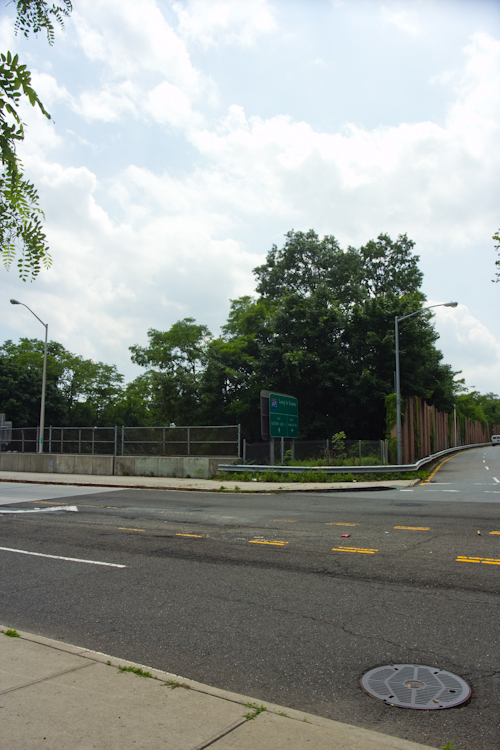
(415, 686)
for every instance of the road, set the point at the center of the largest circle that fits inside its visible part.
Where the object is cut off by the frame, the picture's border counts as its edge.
(261, 594)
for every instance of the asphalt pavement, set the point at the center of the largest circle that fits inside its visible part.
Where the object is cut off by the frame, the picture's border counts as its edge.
(262, 594)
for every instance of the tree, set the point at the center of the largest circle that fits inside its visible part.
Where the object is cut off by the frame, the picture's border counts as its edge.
(305, 262)
(175, 360)
(82, 390)
(21, 230)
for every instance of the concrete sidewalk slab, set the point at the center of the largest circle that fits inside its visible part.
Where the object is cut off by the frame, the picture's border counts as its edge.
(200, 485)
(60, 696)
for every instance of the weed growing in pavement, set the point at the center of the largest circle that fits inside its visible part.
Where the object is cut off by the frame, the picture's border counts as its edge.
(136, 670)
(172, 684)
(11, 633)
(256, 710)
(448, 746)
(108, 663)
(306, 721)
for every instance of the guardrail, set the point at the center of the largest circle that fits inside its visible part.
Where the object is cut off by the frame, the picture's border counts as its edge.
(387, 469)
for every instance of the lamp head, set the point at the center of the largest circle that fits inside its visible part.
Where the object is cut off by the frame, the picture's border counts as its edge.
(15, 302)
(450, 304)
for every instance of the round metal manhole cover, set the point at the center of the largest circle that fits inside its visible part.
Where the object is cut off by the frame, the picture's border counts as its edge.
(415, 686)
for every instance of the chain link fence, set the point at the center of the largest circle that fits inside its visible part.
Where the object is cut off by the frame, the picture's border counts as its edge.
(222, 440)
(287, 451)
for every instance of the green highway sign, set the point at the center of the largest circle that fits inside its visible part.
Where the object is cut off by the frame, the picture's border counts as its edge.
(283, 416)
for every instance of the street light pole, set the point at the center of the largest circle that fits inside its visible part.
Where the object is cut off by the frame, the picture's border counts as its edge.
(44, 374)
(397, 321)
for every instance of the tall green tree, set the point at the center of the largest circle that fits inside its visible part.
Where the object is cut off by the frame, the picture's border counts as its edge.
(21, 227)
(82, 390)
(175, 360)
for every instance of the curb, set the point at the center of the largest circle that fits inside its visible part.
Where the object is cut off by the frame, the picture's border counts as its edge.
(266, 490)
(359, 733)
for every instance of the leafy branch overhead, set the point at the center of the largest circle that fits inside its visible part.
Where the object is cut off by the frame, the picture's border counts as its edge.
(21, 228)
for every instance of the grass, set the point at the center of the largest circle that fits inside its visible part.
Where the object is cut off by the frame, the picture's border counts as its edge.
(136, 670)
(318, 476)
(448, 746)
(11, 633)
(173, 684)
(256, 710)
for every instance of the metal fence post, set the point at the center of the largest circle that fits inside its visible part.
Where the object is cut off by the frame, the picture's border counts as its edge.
(116, 439)
(163, 449)
(93, 433)
(38, 436)
(22, 441)
(293, 450)
(123, 439)
(282, 451)
(239, 441)
(271, 451)
(79, 440)
(244, 451)
(50, 439)
(360, 453)
(62, 438)
(188, 446)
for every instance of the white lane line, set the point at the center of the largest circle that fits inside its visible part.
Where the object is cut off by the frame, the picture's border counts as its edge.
(496, 480)
(58, 557)
(42, 510)
(487, 468)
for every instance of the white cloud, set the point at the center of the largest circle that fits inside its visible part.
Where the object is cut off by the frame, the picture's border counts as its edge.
(468, 345)
(404, 19)
(229, 21)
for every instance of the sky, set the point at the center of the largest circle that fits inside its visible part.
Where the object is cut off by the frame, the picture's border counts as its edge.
(188, 136)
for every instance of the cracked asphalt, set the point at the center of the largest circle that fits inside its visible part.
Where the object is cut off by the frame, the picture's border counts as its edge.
(261, 594)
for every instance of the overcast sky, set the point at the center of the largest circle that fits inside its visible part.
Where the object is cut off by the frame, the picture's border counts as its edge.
(189, 136)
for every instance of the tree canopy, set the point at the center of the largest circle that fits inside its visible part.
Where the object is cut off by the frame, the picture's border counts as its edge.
(21, 228)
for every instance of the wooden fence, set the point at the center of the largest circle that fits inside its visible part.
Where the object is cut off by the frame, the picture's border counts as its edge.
(425, 431)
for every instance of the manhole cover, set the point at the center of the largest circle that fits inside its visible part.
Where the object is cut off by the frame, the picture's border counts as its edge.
(415, 686)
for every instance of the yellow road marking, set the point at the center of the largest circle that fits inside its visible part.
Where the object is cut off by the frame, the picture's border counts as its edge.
(494, 532)
(129, 528)
(336, 523)
(47, 502)
(198, 536)
(414, 528)
(284, 520)
(439, 466)
(113, 507)
(258, 541)
(354, 549)
(486, 560)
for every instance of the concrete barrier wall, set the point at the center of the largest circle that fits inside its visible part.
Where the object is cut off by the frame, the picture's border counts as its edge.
(155, 466)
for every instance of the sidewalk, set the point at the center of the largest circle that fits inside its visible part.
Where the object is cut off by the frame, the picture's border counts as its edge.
(204, 485)
(62, 697)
